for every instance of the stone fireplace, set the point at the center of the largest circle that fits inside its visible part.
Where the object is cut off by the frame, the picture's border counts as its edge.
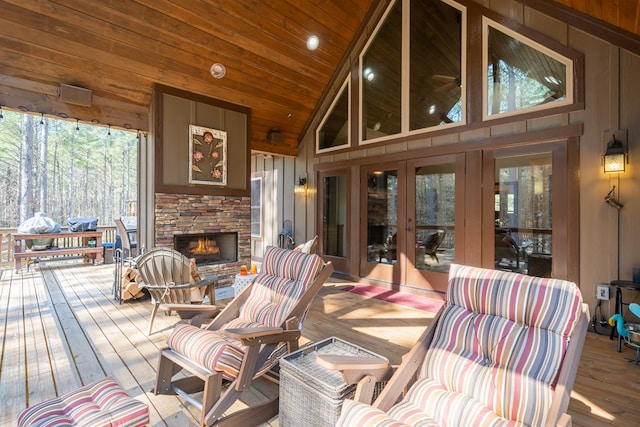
(190, 222)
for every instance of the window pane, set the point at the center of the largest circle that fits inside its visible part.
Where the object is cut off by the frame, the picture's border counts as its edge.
(335, 216)
(381, 79)
(334, 131)
(520, 76)
(382, 192)
(435, 64)
(523, 214)
(256, 207)
(435, 217)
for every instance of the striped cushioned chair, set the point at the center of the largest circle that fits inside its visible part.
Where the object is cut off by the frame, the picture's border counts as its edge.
(247, 338)
(100, 404)
(503, 351)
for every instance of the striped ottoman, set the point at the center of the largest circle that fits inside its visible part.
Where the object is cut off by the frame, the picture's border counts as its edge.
(99, 404)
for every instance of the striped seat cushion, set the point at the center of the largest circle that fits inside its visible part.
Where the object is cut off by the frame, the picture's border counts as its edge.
(102, 403)
(284, 279)
(496, 352)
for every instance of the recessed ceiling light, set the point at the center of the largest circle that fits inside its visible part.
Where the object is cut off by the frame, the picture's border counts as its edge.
(218, 70)
(313, 42)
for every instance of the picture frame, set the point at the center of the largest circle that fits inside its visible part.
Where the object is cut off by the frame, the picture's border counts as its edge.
(207, 156)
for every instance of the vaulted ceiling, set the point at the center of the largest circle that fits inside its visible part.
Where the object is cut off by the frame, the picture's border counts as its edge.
(119, 48)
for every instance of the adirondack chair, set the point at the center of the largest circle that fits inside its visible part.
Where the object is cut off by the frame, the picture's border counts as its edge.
(169, 277)
(245, 341)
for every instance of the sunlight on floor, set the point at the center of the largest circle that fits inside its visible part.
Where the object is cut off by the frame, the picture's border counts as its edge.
(595, 409)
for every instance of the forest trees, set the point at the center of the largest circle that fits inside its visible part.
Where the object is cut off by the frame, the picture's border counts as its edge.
(65, 169)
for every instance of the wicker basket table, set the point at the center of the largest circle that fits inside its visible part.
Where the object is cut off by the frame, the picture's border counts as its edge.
(310, 395)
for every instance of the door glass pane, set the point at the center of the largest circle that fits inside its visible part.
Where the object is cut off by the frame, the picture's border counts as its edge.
(523, 221)
(435, 217)
(256, 207)
(435, 64)
(382, 193)
(334, 216)
(381, 79)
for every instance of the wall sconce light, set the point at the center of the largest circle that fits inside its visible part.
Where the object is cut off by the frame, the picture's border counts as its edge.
(615, 156)
(301, 186)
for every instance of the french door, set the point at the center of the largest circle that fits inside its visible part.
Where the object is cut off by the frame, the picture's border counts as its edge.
(409, 218)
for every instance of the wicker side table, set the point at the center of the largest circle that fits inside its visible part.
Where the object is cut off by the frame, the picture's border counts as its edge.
(310, 395)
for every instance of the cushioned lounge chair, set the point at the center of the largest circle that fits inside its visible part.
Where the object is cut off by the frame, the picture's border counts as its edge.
(244, 341)
(503, 350)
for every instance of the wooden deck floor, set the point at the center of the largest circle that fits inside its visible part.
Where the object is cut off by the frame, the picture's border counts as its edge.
(60, 328)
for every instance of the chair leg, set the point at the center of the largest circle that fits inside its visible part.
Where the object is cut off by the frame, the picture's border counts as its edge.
(166, 370)
(154, 311)
(212, 390)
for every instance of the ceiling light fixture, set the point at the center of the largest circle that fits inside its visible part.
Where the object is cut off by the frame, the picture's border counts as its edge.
(218, 70)
(312, 42)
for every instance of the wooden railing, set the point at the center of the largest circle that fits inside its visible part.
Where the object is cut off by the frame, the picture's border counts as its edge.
(7, 243)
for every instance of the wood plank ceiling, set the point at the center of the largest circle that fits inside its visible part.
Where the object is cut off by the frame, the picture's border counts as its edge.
(119, 48)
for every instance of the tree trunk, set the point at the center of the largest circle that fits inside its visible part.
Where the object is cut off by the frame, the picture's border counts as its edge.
(71, 179)
(26, 194)
(44, 144)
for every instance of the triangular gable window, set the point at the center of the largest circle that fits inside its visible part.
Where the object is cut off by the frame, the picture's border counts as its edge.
(521, 74)
(333, 132)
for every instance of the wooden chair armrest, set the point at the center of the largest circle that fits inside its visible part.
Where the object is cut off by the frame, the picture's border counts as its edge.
(187, 310)
(355, 368)
(188, 307)
(206, 281)
(242, 333)
(340, 362)
(263, 335)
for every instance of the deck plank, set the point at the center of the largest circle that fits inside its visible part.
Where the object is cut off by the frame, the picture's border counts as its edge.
(61, 328)
(12, 374)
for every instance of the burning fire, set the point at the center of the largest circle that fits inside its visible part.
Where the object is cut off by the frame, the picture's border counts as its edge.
(205, 247)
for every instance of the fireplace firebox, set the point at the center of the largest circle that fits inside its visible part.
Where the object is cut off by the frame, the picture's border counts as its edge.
(208, 248)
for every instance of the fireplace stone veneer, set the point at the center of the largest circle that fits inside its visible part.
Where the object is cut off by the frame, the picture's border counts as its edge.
(193, 214)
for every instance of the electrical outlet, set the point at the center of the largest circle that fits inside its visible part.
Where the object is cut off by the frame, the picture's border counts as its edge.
(602, 292)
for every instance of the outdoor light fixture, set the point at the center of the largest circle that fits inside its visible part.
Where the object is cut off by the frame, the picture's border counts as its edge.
(301, 186)
(615, 156)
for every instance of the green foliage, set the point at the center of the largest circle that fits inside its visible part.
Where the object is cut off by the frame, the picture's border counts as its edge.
(83, 170)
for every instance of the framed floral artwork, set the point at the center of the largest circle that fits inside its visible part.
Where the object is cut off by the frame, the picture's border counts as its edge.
(208, 156)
